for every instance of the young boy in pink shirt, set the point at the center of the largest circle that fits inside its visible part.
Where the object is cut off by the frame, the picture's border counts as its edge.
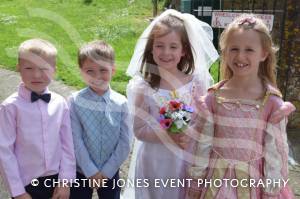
(35, 134)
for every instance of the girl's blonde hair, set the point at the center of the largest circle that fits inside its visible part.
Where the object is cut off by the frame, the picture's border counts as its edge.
(248, 21)
(166, 25)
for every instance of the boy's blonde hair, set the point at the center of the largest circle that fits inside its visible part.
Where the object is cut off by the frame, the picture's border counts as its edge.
(96, 50)
(39, 47)
(249, 21)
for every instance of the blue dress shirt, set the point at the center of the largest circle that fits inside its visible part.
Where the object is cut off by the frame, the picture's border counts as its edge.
(102, 131)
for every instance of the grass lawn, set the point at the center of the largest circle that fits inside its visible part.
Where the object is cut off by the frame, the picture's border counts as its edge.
(70, 23)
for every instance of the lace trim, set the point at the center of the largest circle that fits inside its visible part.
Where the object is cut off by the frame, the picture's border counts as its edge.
(175, 94)
(253, 105)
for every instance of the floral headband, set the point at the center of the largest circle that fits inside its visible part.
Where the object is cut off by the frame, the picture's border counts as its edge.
(247, 22)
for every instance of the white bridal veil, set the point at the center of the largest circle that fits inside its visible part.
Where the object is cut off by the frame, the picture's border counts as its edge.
(200, 36)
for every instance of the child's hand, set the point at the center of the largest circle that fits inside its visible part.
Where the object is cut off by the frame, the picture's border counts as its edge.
(98, 178)
(193, 194)
(180, 139)
(282, 112)
(23, 196)
(62, 192)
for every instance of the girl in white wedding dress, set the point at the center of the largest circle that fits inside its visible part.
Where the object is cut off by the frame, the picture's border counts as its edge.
(171, 61)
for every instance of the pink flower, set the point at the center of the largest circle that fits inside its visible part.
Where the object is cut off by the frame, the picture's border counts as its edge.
(174, 105)
(165, 123)
(248, 21)
(162, 110)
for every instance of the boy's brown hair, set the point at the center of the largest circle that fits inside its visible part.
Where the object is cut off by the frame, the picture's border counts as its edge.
(96, 50)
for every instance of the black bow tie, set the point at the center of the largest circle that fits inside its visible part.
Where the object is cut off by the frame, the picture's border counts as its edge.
(45, 97)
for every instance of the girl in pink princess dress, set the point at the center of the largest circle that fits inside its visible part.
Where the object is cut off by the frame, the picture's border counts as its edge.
(240, 153)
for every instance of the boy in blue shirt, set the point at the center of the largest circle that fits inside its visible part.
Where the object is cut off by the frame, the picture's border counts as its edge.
(100, 123)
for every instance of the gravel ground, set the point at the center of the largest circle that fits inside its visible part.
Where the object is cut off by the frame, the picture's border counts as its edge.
(8, 84)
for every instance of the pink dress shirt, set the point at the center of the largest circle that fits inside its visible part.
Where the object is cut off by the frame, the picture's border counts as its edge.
(35, 140)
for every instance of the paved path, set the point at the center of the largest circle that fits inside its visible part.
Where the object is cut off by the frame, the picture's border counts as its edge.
(8, 84)
(9, 81)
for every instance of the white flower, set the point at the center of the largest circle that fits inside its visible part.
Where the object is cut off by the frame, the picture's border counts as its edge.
(179, 123)
(187, 116)
(176, 116)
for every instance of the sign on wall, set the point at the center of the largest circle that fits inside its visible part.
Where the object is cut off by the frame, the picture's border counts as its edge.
(222, 19)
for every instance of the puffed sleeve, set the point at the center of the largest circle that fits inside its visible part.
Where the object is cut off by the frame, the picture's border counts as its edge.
(204, 125)
(146, 126)
(275, 154)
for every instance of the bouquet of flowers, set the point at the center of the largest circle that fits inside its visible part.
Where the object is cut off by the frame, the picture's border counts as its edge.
(175, 116)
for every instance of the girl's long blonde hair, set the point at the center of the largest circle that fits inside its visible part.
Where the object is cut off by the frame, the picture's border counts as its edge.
(248, 21)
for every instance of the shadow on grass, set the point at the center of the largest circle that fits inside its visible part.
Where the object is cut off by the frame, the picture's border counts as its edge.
(87, 2)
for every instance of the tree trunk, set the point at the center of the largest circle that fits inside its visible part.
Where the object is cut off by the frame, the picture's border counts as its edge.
(176, 4)
(155, 5)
